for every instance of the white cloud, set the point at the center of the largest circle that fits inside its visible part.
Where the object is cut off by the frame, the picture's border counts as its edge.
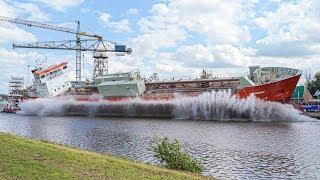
(7, 10)
(227, 55)
(15, 9)
(165, 63)
(195, 56)
(181, 37)
(85, 10)
(219, 21)
(11, 33)
(132, 11)
(292, 30)
(32, 9)
(61, 5)
(217, 56)
(148, 47)
(163, 38)
(14, 64)
(118, 26)
(171, 24)
(160, 45)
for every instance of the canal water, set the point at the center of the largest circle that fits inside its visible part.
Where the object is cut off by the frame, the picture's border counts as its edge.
(227, 149)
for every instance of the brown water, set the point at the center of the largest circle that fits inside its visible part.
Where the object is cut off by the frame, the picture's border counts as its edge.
(236, 150)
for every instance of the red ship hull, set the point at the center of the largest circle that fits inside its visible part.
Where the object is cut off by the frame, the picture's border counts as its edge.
(279, 91)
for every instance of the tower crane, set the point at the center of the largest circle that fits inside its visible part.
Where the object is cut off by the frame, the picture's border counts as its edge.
(94, 43)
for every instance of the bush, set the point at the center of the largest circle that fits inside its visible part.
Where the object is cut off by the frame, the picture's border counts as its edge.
(171, 155)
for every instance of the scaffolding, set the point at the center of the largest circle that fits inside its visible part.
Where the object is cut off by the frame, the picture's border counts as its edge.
(16, 86)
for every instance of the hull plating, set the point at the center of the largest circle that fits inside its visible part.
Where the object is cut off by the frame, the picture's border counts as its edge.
(280, 91)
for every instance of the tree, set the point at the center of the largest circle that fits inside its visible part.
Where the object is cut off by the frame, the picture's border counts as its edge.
(170, 153)
(314, 84)
(308, 76)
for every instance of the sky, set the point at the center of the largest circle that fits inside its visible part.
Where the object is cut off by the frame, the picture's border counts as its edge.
(171, 37)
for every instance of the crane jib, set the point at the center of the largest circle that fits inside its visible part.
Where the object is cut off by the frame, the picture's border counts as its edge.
(97, 44)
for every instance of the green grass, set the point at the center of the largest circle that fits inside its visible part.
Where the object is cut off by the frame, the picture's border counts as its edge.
(22, 158)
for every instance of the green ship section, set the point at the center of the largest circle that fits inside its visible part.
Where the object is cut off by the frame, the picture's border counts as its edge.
(258, 75)
(120, 84)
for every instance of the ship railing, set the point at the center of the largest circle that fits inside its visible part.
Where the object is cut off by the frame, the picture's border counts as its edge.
(172, 90)
(214, 76)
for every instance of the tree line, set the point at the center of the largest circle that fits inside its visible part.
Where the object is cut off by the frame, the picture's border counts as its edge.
(313, 83)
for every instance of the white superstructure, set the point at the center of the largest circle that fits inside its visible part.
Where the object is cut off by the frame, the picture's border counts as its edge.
(51, 81)
(16, 86)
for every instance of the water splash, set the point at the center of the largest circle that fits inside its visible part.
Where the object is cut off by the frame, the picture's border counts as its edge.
(220, 105)
(223, 105)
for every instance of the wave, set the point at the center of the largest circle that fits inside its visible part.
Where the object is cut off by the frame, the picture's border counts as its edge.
(220, 105)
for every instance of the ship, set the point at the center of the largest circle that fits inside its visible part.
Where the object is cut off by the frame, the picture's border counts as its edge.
(266, 83)
(50, 81)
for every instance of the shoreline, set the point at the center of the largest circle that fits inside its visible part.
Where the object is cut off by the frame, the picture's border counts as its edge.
(315, 115)
(22, 158)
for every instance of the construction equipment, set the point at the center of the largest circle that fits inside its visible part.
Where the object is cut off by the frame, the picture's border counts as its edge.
(95, 44)
(100, 65)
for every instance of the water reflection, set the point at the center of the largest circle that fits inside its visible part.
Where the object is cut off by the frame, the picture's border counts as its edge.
(228, 150)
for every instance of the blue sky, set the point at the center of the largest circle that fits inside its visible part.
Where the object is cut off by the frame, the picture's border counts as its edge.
(171, 37)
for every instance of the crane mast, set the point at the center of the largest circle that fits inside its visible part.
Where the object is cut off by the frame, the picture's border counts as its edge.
(94, 44)
(78, 54)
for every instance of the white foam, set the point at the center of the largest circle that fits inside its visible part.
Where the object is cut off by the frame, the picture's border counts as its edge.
(208, 106)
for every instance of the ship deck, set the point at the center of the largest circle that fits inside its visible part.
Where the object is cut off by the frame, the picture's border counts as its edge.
(192, 85)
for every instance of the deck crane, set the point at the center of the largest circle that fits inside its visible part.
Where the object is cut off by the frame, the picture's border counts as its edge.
(94, 43)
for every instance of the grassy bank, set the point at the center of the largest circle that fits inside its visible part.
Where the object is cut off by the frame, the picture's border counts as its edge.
(29, 159)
